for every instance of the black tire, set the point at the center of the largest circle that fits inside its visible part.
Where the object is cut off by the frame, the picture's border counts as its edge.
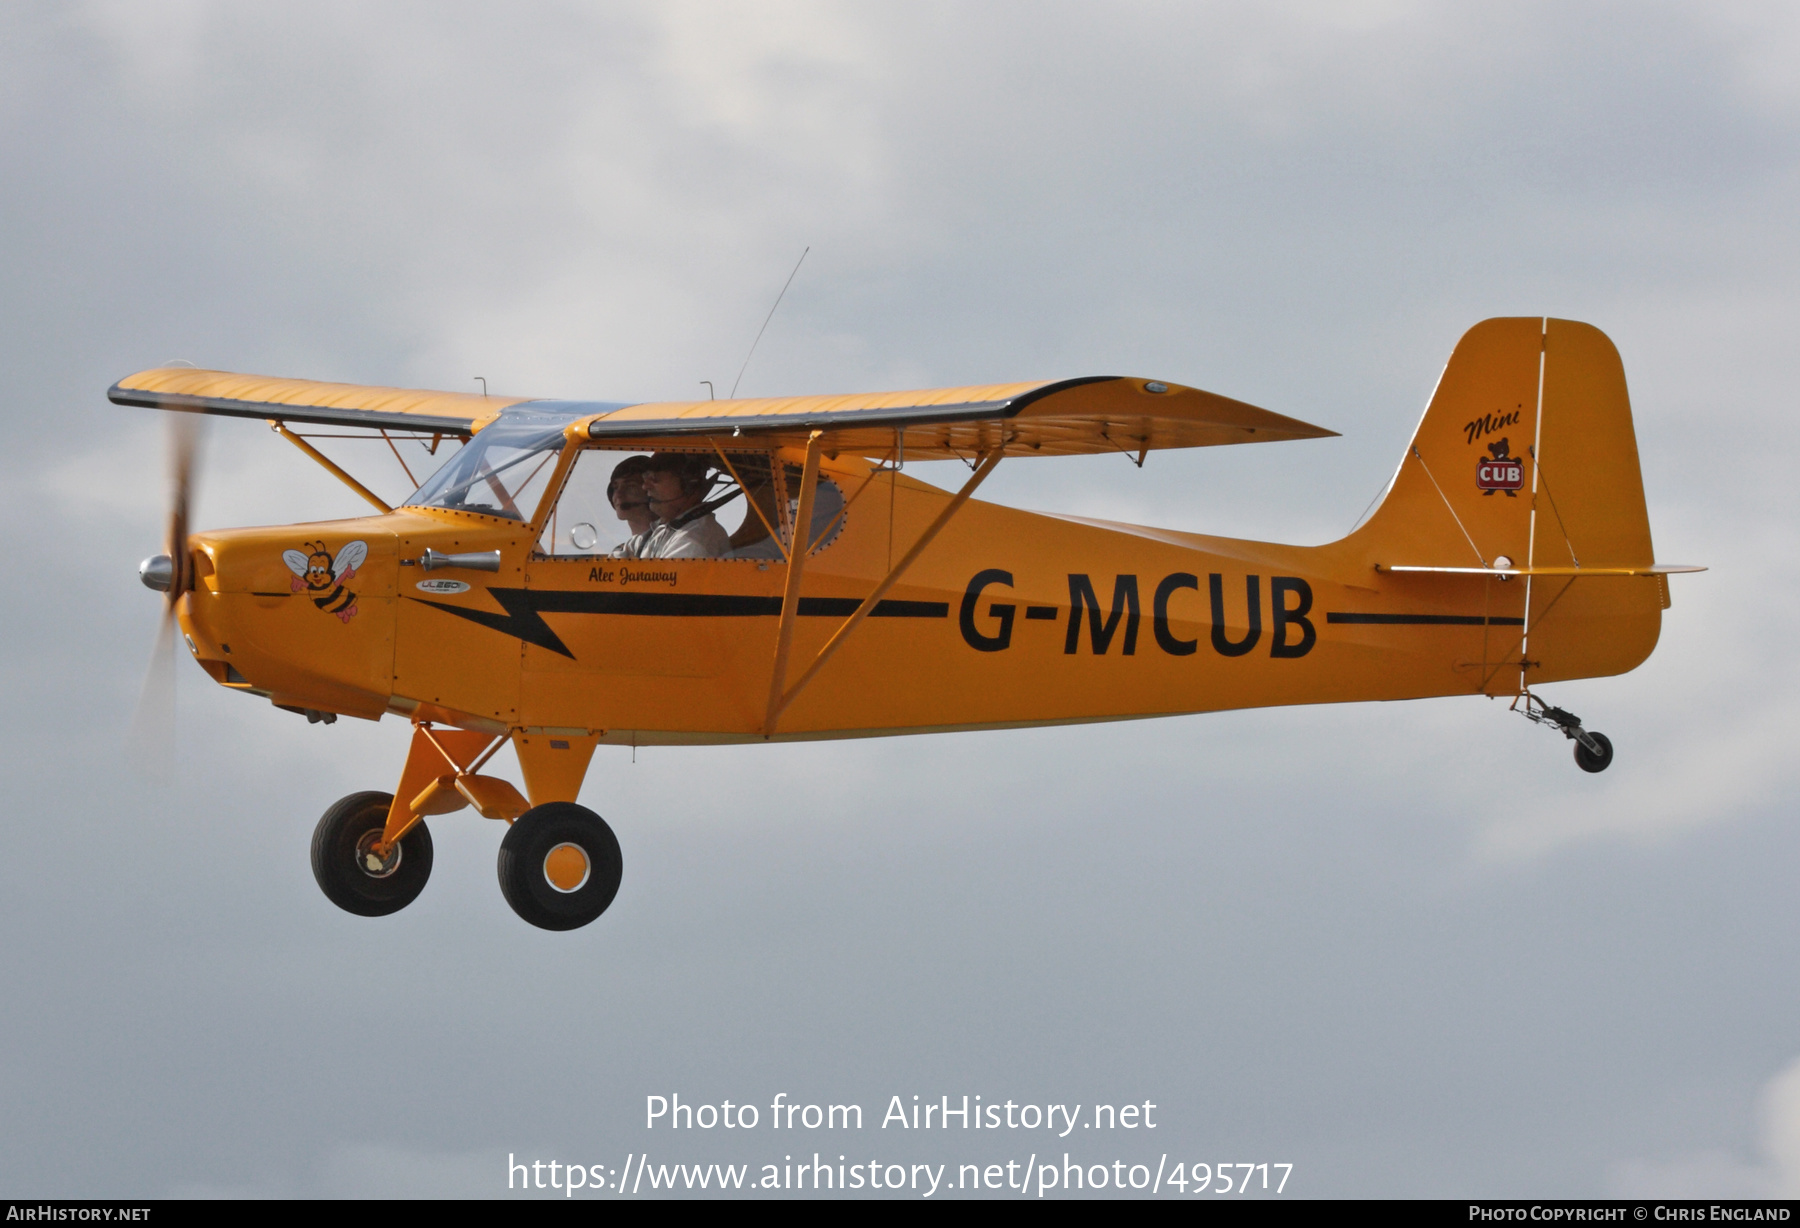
(338, 864)
(1587, 760)
(526, 868)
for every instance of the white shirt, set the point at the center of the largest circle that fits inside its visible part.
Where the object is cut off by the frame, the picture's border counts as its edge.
(636, 547)
(700, 538)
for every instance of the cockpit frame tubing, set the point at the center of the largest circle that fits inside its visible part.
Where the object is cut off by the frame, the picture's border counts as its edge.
(573, 445)
(987, 466)
(732, 470)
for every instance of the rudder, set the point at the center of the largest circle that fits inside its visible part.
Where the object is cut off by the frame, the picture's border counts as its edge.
(1527, 454)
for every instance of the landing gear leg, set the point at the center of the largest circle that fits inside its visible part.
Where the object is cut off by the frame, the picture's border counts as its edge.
(1593, 750)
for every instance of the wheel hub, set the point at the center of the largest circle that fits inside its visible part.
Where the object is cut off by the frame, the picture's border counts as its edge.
(373, 863)
(567, 868)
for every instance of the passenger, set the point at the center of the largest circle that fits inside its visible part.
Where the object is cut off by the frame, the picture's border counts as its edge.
(677, 486)
(625, 491)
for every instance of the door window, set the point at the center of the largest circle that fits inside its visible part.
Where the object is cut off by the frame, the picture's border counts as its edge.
(606, 509)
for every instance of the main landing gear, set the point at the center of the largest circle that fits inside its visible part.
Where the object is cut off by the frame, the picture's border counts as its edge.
(560, 864)
(1593, 750)
(351, 874)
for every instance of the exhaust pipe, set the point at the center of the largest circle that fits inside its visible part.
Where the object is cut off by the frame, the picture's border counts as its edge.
(480, 560)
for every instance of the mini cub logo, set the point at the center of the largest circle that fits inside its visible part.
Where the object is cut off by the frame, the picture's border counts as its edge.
(1499, 471)
(324, 578)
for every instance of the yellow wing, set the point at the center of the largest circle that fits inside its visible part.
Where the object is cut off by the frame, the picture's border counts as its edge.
(1060, 418)
(305, 400)
(1042, 418)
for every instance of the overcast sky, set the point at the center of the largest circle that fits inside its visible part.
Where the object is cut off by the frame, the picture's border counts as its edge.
(1410, 949)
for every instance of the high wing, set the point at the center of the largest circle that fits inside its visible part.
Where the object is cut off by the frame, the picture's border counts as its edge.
(305, 400)
(1055, 418)
(1059, 418)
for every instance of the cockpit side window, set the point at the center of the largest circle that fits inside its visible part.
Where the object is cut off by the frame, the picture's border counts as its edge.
(594, 515)
(609, 506)
(775, 490)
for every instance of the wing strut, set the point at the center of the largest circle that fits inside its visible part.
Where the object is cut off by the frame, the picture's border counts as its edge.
(796, 567)
(778, 706)
(331, 467)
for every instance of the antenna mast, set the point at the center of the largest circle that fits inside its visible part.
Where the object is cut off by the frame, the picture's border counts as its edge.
(765, 324)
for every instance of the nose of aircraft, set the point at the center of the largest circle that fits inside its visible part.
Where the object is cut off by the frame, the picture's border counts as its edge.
(157, 572)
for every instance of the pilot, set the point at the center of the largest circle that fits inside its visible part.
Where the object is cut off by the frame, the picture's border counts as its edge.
(677, 485)
(625, 491)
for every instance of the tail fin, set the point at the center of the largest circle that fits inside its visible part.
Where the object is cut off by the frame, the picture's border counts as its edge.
(1527, 454)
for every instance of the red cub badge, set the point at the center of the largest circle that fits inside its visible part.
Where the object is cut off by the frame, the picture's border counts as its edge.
(323, 577)
(1497, 471)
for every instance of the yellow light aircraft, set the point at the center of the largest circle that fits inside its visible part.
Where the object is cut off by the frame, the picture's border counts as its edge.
(1511, 549)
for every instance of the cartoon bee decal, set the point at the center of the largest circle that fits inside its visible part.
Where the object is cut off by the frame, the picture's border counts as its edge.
(324, 577)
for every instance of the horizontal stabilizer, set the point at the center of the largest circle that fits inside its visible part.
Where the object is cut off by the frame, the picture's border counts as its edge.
(1653, 569)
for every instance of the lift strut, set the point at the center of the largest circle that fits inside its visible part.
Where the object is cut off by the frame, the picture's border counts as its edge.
(779, 700)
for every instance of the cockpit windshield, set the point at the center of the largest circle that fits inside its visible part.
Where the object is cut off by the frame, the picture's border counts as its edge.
(501, 472)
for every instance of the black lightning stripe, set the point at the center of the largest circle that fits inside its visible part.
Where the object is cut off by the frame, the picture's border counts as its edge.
(524, 609)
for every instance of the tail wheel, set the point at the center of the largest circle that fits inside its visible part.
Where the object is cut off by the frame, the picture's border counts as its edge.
(560, 866)
(351, 874)
(1587, 760)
